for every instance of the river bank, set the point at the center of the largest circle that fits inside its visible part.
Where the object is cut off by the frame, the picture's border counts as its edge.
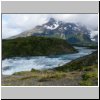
(17, 64)
(83, 75)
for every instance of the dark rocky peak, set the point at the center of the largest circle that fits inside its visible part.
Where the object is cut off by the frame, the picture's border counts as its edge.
(51, 21)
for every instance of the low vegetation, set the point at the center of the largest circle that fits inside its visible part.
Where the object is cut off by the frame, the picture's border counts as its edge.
(47, 77)
(90, 76)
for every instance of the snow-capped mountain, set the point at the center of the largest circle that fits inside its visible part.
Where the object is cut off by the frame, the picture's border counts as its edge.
(72, 32)
(52, 24)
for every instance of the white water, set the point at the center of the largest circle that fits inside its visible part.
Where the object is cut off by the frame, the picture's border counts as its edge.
(10, 66)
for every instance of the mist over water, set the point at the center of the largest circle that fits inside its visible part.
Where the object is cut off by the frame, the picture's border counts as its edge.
(17, 64)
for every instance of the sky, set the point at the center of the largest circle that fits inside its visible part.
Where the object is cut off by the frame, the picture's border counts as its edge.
(13, 24)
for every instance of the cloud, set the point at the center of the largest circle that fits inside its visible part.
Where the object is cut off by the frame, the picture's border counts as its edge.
(90, 20)
(13, 24)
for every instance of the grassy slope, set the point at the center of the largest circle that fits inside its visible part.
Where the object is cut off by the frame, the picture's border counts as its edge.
(80, 63)
(88, 65)
(34, 46)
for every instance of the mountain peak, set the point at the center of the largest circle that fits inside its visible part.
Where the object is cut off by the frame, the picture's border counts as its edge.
(59, 29)
(51, 24)
(52, 20)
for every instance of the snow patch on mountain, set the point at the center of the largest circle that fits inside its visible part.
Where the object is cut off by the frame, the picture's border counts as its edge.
(70, 26)
(65, 28)
(93, 34)
(52, 27)
(76, 28)
(93, 39)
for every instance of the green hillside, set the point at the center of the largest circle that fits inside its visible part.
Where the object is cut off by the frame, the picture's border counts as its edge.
(35, 46)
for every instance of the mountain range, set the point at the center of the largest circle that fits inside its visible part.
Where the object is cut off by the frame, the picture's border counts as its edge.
(74, 33)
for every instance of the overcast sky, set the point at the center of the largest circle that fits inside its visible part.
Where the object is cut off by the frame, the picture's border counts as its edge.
(13, 24)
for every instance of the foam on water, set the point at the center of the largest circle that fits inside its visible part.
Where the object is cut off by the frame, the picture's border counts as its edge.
(12, 65)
